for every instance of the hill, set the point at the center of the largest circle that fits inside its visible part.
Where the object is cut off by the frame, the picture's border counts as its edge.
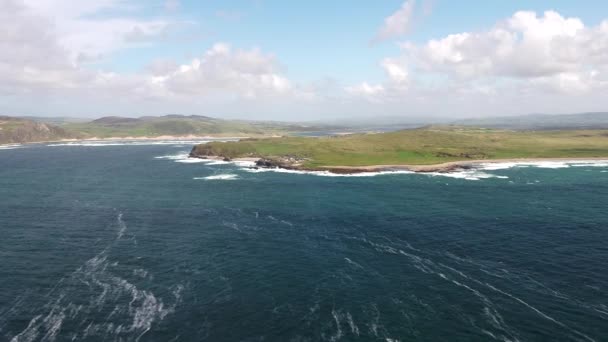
(181, 125)
(18, 130)
(424, 146)
(597, 120)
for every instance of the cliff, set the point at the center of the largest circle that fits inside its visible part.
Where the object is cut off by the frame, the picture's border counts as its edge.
(18, 131)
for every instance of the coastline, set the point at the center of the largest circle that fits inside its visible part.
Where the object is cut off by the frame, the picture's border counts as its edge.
(140, 138)
(160, 137)
(453, 166)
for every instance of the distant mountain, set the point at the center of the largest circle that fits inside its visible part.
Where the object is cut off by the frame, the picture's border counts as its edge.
(54, 120)
(33, 129)
(541, 121)
(17, 130)
(182, 125)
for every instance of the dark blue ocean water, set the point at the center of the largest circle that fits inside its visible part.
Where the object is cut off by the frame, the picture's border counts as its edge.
(110, 243)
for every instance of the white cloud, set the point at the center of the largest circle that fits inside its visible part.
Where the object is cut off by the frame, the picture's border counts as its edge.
(42, 56)
(398, 23)
(87, 37)
(248, 73)
(396, 71)
(525, 63)
(525, 46)
(366, 89)
(527, 55)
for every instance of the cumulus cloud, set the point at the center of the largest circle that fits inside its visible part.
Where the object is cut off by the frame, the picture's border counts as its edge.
(528, 62)
(525, 46)
(76, 28)
(40, 56)
(398, 23)
(248, 73)
(366, 89)
(526, 54)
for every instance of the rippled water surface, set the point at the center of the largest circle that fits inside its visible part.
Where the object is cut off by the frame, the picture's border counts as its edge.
(137, 242)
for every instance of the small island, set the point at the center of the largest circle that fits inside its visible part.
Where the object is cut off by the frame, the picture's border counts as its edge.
(427, 149)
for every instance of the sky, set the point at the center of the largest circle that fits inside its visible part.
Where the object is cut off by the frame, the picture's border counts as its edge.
(303, 60)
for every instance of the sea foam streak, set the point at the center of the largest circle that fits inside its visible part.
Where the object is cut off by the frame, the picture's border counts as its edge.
(466, 174)
(327, 173)
(10, 147)
(182, 157)
(134, 308)
(219, 177)
(548, 164)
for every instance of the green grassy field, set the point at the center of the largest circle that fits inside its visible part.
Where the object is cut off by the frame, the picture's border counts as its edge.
(431, 145)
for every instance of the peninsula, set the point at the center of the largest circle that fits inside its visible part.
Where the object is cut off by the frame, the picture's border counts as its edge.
(428, 149)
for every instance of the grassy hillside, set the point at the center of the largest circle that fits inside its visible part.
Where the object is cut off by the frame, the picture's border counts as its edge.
(178, 125)
(423, 146)
(16, 130)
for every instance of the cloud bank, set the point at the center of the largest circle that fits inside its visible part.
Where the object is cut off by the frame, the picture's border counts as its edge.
(51, 52)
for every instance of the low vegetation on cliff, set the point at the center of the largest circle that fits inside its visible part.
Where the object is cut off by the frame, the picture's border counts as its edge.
(17, 131)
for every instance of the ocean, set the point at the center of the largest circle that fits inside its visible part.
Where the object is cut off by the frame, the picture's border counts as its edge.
(136, 242)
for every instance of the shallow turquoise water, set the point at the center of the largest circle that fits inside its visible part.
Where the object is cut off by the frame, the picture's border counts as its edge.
(111, 243)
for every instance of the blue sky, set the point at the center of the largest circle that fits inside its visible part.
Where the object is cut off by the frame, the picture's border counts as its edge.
(328, 38)
(317, 59)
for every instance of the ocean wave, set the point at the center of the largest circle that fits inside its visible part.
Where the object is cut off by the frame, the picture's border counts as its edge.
(183, 157)
(327, 173)
(188, 160)
(219, 177)
(466, 174)
(549, 164)
(10, 147)
(180, 155)
(215, 162)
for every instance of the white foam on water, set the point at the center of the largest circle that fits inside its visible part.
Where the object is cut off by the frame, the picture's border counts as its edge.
(10, 147)
(215, 162)
(327, 173)
(594, 164)
(137, 308)
(219, 177)
(543, 164)
(188, 160)
(243, 163)
(466, 174)
(180, 155)
(184, 158)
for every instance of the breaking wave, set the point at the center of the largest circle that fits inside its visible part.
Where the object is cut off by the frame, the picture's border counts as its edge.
(219, 177)
(327, 173)
(10, 147)
(544, 164)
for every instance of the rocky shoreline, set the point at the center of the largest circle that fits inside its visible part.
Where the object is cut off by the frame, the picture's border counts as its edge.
(296, 164)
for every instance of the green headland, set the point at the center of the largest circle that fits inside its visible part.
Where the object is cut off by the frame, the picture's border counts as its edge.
(428, 146)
